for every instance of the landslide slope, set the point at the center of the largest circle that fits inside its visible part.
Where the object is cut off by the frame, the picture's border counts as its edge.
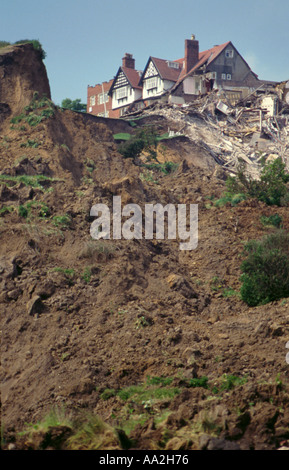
(153, 341)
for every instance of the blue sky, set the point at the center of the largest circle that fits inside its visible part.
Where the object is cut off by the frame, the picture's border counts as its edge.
(85, 40)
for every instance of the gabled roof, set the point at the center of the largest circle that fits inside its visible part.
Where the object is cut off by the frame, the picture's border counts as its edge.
(205, 58)
(164, 70)
(131, 75)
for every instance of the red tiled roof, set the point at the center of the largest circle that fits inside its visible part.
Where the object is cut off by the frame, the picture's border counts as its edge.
(166, 72)
(205, 57)
(133, 76)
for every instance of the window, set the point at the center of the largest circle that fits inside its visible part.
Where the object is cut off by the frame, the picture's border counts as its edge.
(92, 100)
(229, 76)
(102, 98)
(121, 93)
(223, 76)
(151, 83)
(173, 65)
(229, 53)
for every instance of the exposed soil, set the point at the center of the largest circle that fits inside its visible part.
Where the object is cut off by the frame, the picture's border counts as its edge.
(80, 317)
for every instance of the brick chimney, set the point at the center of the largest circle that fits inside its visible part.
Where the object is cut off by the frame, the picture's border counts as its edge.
(128, 61)
(191, 53)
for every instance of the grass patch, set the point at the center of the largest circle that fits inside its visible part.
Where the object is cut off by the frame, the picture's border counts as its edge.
(274, 220)
(122, 136)
(85, 432)
(35, 43)
(39, 109)
(232, 199)
(39, 209)
(228, 382)
(56, 417)
(86, 275)
(166, 167)
(155, 389)
(62, 221)
(30, 143)
(6, 210)
(142, 394)
(198, 382)
(35, 181)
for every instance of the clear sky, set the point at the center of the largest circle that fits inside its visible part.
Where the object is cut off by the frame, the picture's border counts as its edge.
(85, 40)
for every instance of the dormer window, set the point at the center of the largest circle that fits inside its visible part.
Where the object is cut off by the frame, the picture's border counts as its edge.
(173, 65)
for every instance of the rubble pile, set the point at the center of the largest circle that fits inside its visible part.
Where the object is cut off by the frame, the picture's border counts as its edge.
(253, 129)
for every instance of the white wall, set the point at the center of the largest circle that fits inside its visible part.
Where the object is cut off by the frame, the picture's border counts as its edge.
(161, 86)
(131, 95)
(194, 85)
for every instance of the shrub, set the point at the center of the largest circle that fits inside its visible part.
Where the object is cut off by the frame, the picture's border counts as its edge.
(144, 139)
(265, 271)
(166, 167)
(272, 187)
(274, 220)
(4, 44)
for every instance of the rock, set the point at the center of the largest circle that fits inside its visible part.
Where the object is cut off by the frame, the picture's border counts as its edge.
(276, 330)
(180, 284)
(46, 290)
(8, 268)
(14, 294)
(207, 442)
(34, 305)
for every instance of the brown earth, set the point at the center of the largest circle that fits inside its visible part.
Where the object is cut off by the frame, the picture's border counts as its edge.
(82, 320)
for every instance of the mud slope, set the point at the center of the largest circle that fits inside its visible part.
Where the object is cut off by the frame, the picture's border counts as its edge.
(153, 340)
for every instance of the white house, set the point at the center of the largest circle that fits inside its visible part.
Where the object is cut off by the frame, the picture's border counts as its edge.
(159, 76)
(125, 88)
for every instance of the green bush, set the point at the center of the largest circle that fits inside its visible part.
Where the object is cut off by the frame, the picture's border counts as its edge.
(265, 271)
(144, 139)
(74, 105)
(274, 220)
(272, 187)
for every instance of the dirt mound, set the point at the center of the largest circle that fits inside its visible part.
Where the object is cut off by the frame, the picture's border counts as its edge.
(22, 73)
(152, 340)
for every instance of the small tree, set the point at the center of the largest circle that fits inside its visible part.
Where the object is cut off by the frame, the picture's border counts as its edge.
(265, 275)
(74, 105)
(144, 139)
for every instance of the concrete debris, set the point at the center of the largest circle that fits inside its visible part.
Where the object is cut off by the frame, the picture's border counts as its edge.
(253, 129)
